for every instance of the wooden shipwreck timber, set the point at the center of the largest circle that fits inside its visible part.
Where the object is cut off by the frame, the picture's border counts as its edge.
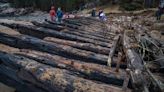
(73, 56)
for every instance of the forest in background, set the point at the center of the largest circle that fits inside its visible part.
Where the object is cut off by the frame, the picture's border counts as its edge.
(69, 5)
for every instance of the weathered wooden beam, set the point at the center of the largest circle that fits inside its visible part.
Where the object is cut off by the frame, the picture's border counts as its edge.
(80, 20)
(88, 20)
(83, 31)
(70, 21)
(70, 31)
(120, 58)
(9, 49)
(51, 26)
(113, 49)
(52, 79)
(24, 41)
(79, 45)
(155, 81)
(126, 80)
(96, 38)
(86, 70)
(43, 32)
(135, 64)
(63, 24)
(91, 32)
(9, 77)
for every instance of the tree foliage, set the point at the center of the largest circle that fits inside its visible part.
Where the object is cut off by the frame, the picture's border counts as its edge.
(46, 4)
(138, 4)
(68, 5)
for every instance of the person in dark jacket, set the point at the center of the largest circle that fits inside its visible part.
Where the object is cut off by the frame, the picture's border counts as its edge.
(159, 13)
(93, 13)
(59, 15)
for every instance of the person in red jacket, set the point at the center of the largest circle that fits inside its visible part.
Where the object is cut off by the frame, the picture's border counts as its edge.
(52, 13)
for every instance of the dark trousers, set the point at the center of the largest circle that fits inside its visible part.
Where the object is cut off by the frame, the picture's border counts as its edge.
(158, 15)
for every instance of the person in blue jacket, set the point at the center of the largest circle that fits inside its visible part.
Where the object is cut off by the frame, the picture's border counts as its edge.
(59, 15)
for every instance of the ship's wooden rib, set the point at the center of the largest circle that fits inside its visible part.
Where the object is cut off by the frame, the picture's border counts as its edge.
(70, 31)
(116, 43)
(135, 64)
(82, 31)
(50, 78)
(87, 70)
(43, 32)
(24, 41)
(84, 46)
